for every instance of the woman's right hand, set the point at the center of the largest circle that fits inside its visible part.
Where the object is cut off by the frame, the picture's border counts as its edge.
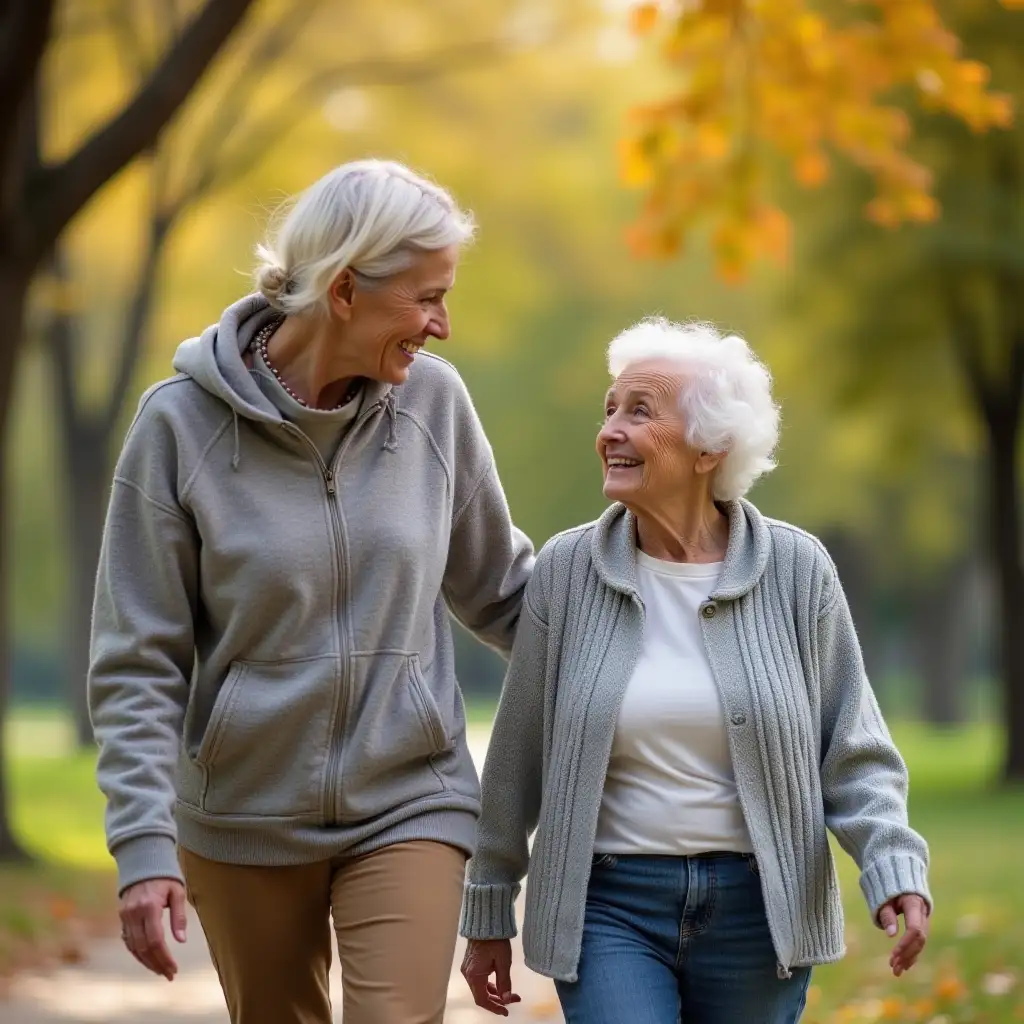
(142, 922)
(483, 958)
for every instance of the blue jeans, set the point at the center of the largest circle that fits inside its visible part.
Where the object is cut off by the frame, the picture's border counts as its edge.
(679, 940)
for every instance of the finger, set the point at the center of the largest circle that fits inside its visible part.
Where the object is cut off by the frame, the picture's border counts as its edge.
(888, 919)
(179, 922)
(503, 979)
(156, 943)
(492, 991)
(909, 948)
(135, 938)
(483, 995)
(913, 915)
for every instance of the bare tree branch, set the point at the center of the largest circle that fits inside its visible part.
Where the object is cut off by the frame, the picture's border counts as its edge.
(133, 340)
(24, 33)
(61, 191)
(271, 46)
(275, 124)
(59, 341)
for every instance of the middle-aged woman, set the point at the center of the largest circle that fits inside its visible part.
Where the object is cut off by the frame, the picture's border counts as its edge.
(685, 714)
(272, 682)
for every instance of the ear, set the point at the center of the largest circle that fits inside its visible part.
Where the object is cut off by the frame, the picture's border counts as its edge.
(341, 294)
(708, 462)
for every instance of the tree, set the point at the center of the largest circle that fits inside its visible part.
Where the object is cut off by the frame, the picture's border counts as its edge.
(39, 197)
(779, 77)
(224, 141)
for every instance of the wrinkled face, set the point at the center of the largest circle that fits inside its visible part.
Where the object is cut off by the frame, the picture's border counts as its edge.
(387, 324)
(642, 444)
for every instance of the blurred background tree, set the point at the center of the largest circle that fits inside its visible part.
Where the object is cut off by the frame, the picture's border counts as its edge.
(43, 187)
(783, 87)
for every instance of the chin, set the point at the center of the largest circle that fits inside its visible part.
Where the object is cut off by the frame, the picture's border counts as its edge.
(613, 493)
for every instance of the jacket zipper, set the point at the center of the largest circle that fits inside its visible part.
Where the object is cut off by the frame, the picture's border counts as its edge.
(342, 603)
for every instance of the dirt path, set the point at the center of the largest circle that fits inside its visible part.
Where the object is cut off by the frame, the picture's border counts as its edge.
(111, 987)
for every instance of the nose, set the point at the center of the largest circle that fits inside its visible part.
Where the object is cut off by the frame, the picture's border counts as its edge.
(611, 432)
(439, 327)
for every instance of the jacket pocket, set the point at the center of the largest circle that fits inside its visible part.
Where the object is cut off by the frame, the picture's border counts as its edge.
(399, 731)
(265, 748)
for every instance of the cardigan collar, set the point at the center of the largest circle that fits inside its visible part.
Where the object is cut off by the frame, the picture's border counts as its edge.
(613, 549)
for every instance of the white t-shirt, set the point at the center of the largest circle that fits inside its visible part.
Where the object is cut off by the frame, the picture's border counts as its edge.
(670, 788)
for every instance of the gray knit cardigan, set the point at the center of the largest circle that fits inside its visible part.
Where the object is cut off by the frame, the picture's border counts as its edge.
(810, 750)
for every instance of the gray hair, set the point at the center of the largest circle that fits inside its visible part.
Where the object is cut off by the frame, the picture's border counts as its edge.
(726, 398)
(372, 216)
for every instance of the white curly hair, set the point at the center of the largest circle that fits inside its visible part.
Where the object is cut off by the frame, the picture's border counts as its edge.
(726, 399)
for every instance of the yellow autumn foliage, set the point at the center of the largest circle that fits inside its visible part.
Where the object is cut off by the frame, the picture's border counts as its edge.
(759, 78)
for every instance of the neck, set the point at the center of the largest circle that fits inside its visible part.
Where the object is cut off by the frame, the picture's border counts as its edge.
(695, 532)
(307, 352)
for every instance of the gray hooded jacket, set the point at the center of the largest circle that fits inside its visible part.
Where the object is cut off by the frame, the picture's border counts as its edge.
(272, 677)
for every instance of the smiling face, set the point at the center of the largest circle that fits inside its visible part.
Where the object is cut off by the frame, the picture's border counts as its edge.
(387, 324)
(648, 464)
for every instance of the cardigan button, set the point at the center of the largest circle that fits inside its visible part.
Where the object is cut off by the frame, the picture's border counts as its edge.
(738, 718)
(708, 611)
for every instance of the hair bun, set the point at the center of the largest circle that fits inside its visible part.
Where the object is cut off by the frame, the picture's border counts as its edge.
(272, 281)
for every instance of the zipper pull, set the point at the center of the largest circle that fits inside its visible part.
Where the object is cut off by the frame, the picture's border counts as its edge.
(329, 477)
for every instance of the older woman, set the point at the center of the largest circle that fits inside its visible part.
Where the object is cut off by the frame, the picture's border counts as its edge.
(272, 683)
(685, 715)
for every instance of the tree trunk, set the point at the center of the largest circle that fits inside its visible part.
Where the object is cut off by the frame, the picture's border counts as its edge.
(1008, 563)
(13, 294)
(87, 475)
(942, 636)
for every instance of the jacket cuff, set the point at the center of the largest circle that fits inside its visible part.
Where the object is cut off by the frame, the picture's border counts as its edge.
(894, 876)
(146, 857)
(489, 912)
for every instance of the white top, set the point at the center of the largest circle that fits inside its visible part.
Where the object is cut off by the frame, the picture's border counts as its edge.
(670, 788)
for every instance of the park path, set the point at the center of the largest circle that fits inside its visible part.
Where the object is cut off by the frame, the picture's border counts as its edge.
(110, 987)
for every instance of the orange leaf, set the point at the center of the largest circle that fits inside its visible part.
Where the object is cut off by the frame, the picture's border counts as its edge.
(811, 168)
(921, 207)
(950, 988)
(634, 164)
(642, 18)
(712, 140)
(883, 213)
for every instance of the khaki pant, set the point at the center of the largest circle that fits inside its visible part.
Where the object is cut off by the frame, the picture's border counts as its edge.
(395, 913)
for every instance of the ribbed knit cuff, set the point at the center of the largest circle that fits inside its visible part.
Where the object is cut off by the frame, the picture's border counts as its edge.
(489, 912)
(894, 876)
(146, 857)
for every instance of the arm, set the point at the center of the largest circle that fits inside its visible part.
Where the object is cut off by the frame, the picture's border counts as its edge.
(863, 777)
(512, 781)
(142, 655)
(489, 559)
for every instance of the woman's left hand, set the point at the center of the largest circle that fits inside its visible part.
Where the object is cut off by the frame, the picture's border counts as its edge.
(915, 934)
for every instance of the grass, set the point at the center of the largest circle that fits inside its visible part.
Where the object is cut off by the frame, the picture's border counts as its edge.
(973, 969)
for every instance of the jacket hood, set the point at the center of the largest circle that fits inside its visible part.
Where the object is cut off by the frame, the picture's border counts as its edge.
(215, 360)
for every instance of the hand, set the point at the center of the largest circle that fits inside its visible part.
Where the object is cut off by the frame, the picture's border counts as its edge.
(915, 933)
(142, 923)
(483, 958)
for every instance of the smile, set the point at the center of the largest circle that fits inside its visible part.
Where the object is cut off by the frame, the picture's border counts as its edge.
(411, 347)
(619, 462)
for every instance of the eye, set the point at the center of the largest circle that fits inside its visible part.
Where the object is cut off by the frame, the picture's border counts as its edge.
(641, 410)
(609, 410)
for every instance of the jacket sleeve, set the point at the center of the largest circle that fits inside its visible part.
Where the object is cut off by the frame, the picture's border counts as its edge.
(141, 657)
(512, 781)
(864, 779)
(489, 559)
